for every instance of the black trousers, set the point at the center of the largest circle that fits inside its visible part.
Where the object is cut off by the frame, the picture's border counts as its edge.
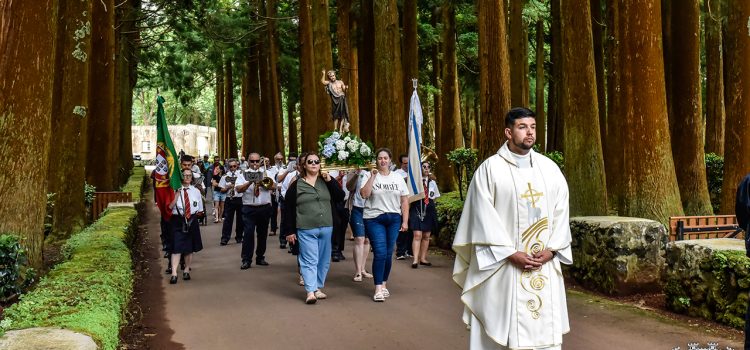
(282, 235)
(403, 243)
(340, 222)
(256, 220)
(166, 236)
(232, 212)
(274, 219)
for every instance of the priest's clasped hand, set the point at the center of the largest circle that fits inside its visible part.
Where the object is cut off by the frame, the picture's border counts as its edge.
(529, 262)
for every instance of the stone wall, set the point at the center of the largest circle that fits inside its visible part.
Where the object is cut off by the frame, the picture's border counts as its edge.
(708, 278)
(195, 140)
(617, 255)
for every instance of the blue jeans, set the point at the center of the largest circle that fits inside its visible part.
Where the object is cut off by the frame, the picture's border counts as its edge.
(382, 232)
(357, 222)
(314, 256)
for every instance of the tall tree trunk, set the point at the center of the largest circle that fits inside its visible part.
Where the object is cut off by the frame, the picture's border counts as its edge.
(273, 79)
(450, 121)
(584, 160)
(597, 29)
(666, 30)
(366, 63)
(410, 53)
(430, 125)
(323, 61)
(27, 68)
(541, 120)
(254, 128)
(69, 103)
(494, 76)
(518, 53)
(353, 72)
(389, 95)
(555, 120)
(687, 118)
(128, 63)
(265, 146)
(220, 110)
(715, 112)
(645, 184)
(100, 166)
(309, 78)
(736, 165)
(231, 133)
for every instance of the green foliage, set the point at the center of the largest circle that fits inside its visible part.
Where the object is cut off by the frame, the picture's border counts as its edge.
(89, 193)
(15, 274)
(136, 183)
(90, 291)
(557, 157)
(449, 207)
(464, 161)
(715, 176)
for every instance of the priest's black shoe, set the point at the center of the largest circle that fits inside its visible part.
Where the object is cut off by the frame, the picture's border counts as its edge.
(261, 262)
(173, 280)
(245, 265)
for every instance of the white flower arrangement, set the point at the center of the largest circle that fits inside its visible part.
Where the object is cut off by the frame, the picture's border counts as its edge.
(344, 150)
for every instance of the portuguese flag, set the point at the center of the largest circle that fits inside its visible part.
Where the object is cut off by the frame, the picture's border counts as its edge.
(166, 175)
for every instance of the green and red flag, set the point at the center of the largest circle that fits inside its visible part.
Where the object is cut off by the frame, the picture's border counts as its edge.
(166, 174)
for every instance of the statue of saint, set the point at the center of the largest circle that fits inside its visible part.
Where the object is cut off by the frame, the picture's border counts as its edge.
(340, 110)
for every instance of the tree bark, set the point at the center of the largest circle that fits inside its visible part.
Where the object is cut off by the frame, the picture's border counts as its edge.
(736, 143)
(410, 53)
(518, 53)
(597, 29)
(220, 110)
(101, 166)
(687, 116)
(274, 85)
(129, 60)
(555, 119)
(308, 78)
(353, 72)
(265, 144)
(494, 76)
(584, 163)
(541, 118)
(715, 112)
(231, 133)
(27, 68)
(367, 107)
(323, 61)
(450, 121)
(291, 104)
(389, 95)
(644, 181)
(69, 120)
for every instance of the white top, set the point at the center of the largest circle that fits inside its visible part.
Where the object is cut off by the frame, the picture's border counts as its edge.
(386, 195)
(230, 177)
(196, 201)
(358, 200)
(334, 174)
(432, 188)
(288, 181)
(401, 173)
(273, 171)
(264, 195)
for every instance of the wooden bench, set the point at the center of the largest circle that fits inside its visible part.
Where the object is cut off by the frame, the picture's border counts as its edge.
(703, 227)
(102, 200)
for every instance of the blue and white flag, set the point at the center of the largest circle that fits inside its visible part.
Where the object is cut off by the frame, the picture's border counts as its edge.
(414, 180)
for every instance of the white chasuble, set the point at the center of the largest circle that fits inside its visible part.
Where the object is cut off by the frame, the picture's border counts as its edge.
(514, 203)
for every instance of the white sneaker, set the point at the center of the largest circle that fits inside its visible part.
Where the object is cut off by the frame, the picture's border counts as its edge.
(378, 297)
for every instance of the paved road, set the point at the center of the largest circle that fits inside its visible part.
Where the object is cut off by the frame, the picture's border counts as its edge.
(223, 307)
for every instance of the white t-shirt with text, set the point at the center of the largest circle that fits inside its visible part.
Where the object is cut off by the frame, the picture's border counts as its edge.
(386, 194)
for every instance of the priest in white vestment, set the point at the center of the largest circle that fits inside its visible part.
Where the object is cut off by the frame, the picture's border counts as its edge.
(510, 242)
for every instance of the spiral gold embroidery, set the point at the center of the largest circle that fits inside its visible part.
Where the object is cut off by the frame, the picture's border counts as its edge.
(533, 281)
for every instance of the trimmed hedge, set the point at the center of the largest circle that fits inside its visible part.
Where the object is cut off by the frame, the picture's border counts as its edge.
(449, 207)
(136, 183)
(90, 291)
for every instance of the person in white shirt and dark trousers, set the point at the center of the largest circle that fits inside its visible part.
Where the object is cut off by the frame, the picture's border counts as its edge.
(233, 203)
(186, 207)
(423, 218)
(256, 214)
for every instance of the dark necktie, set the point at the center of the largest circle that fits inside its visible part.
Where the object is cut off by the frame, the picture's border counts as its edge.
(426, 194)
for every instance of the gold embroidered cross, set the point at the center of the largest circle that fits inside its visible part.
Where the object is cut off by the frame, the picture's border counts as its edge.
(533, 194)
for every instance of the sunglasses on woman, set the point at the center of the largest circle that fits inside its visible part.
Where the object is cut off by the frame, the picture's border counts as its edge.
(313, 161)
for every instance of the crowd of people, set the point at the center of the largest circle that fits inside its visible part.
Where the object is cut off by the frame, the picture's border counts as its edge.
(310, 209)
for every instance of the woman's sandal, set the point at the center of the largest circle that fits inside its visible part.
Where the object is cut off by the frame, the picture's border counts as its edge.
(386, 293)
(358, 277)
(425, 263)
(311, 300)
(366, 274)
(414, 265)
(378, 297)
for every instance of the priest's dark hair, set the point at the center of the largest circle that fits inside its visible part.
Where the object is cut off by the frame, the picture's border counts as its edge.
(517, 113)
